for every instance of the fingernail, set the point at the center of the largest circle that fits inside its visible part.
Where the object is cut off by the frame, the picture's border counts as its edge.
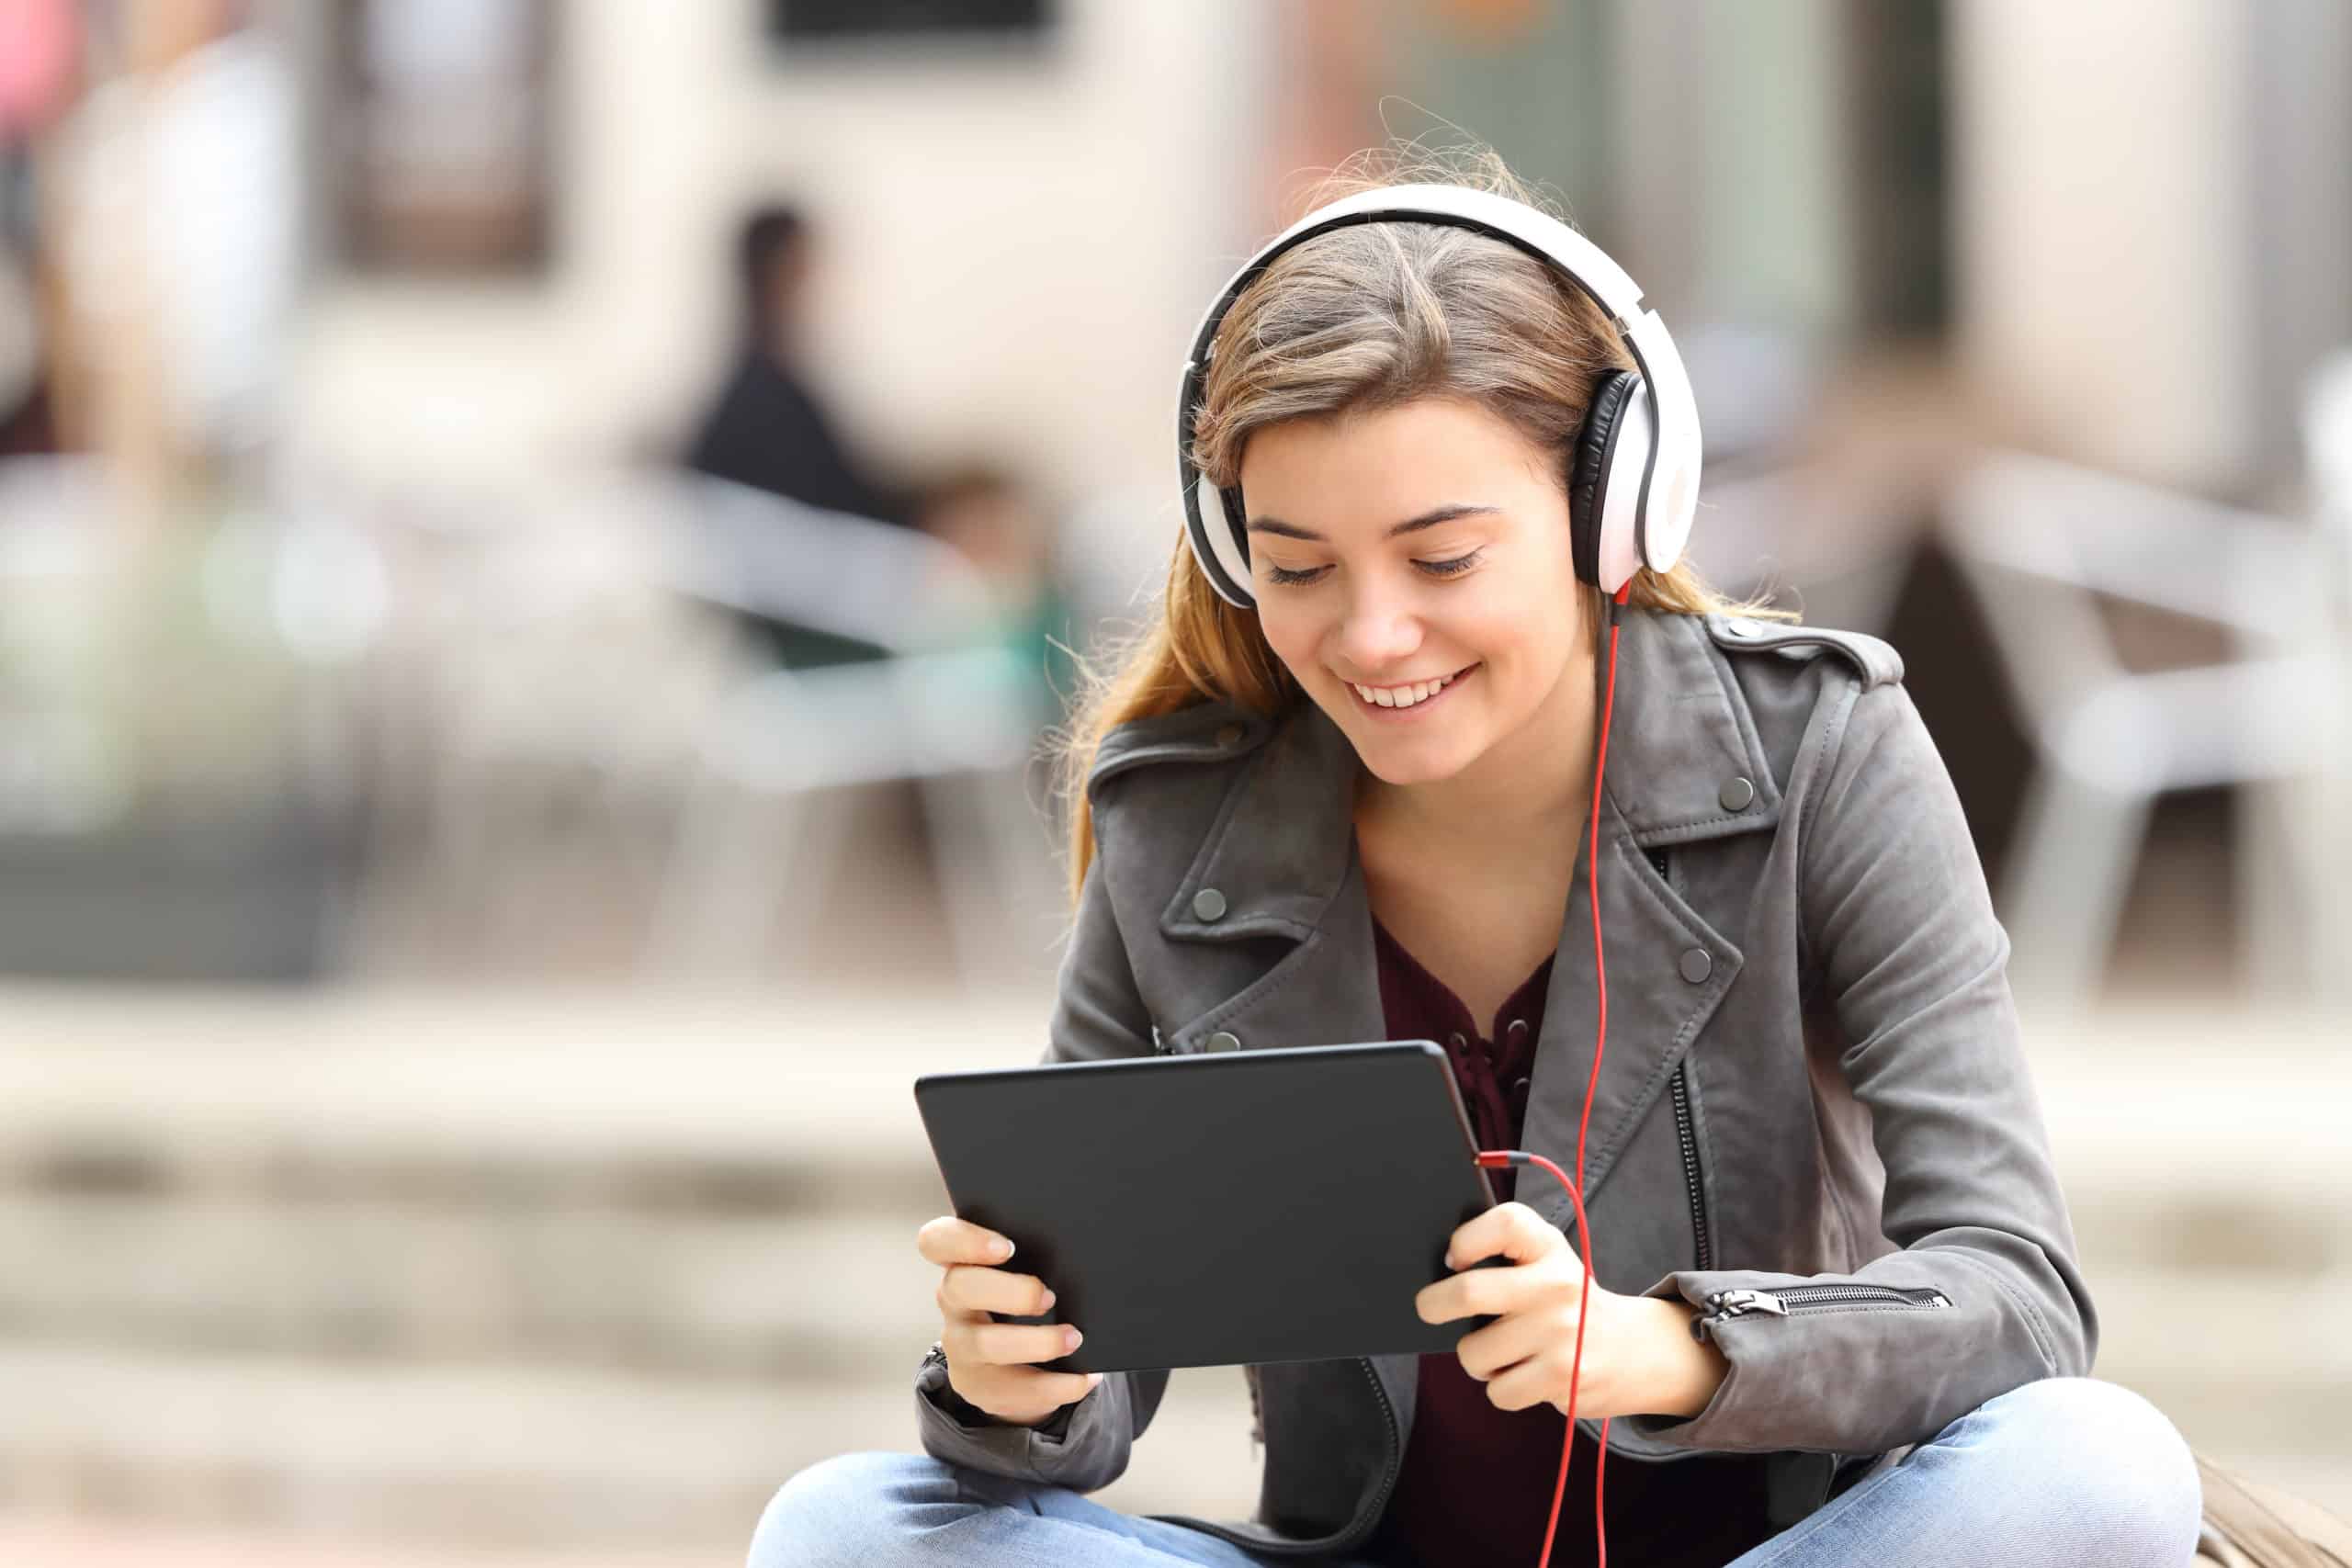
(1001, 1248)
(1070, 1338)
(1049, 1298)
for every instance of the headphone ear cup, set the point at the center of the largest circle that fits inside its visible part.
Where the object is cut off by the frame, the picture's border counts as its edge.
(1213, 527)
(1236, 542)
(1589, 475)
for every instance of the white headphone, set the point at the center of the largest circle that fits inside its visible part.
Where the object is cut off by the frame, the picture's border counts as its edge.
(1636, 464)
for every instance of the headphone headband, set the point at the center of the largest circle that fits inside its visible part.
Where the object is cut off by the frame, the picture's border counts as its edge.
(1669, 484)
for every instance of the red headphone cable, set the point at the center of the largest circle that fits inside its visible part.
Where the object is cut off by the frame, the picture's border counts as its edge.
(1495, 1159)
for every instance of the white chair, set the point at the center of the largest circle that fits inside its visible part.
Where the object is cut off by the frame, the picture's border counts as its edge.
(2326, 428)
(53, 534)
(2042, 542)
(947, 708)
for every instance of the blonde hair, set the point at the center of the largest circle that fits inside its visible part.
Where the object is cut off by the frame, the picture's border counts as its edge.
(1367, 317)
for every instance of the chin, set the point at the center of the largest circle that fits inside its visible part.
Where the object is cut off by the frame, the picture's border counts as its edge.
(1408, 764)
(1401, 777)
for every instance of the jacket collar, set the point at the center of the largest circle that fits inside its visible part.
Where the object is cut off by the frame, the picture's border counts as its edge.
(1679, 740)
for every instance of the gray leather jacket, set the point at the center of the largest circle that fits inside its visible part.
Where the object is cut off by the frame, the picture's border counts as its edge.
(1814, 1118)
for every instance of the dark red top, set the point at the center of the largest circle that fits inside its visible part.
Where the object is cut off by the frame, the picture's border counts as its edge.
(1477, 1485)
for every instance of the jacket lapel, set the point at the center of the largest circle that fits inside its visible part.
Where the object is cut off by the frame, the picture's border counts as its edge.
(1680, 741)
(1281, 861)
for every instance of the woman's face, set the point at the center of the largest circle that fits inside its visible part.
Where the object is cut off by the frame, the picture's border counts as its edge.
(1395, 549)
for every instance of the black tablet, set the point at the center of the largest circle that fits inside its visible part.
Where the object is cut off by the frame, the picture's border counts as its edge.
(1222, 1208)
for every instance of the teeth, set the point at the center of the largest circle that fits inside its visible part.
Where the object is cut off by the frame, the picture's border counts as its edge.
(1403, 696)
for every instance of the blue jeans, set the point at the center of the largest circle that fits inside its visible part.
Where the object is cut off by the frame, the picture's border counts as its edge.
(2076, 1471)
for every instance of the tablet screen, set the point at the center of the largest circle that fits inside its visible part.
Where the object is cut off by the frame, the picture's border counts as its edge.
(1278, 1204)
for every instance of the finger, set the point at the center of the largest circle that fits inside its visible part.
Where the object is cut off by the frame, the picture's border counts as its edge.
(1047, 1390)
(1509, 1230)
(1467, 1294)
(1436, 1303)
(948, 1239)
(1502, 1345)
(1069, 1388)
(1517, 1387)
(1020, 1344)
(1481, 1293)
(968, 1289)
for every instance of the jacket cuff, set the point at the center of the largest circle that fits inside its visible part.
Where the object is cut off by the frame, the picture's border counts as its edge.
(1858, 1364)
(1672, 1432)
(1082, 1445)
(966, 1414)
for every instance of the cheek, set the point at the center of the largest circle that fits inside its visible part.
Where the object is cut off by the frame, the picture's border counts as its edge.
(1495, 633)
(1290, 633)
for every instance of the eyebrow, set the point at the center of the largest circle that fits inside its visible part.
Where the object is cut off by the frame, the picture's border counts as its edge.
(1411, 525)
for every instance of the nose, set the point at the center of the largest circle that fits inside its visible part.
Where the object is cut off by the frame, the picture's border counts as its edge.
(1379, 633)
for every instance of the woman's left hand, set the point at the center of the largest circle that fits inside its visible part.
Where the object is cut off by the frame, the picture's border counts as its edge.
(1525, 1355)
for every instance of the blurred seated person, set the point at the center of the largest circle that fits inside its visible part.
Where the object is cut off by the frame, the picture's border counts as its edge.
(767, 428)
(983, 513)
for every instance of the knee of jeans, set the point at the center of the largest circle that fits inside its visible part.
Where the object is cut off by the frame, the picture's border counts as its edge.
(836, 1511)
(2127, 1464)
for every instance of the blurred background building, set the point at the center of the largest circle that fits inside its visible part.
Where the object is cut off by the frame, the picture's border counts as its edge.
(486, 841)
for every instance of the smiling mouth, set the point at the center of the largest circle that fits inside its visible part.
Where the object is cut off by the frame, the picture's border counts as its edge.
(1407, 699)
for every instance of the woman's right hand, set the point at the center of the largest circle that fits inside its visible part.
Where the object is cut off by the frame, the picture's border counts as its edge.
(990, 1363)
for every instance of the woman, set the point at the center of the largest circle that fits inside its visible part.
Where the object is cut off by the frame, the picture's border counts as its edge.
(1341, 791)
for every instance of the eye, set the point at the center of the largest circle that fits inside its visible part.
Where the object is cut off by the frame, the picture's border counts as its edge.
(1281, 578)
(1448, 567)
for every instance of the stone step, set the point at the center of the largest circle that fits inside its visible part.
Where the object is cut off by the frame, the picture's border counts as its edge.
(831, 1295)
(50, 1539)
(802, 1289)
(499, 1454)
(539, 1088)
(804, 1259)
(695, 1103)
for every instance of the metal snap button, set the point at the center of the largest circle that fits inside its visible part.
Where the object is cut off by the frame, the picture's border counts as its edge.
(1516, 1026)
(1736, 795)
(1221, 1040)
(1520, 1085)
(1740, 626)
(1696, 964)
(1456, 1040)
(1209, 904)
(1228, 734)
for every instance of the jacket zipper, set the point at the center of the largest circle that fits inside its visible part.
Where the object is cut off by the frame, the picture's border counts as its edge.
(1684, 1131)
(1790, 1299)
(1691, 1183)
(1389, 1473)
(1357, 1530)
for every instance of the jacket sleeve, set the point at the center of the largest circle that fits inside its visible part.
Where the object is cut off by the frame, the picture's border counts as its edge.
(1912, 962)
(1085, 1445)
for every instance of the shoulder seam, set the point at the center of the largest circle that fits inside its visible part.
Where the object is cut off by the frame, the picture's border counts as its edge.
(1874, 659)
